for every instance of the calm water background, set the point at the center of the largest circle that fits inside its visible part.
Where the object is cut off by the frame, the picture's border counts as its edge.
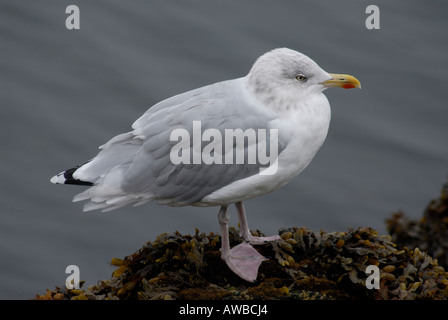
(63, 93)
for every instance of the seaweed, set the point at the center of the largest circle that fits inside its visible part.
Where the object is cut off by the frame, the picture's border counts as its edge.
(430, 233)
(303, 265)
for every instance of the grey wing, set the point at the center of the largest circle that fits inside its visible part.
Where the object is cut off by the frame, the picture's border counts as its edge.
(151, 169)
(136, 167)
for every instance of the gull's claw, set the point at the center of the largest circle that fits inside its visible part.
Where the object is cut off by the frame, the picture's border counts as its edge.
(244, 261)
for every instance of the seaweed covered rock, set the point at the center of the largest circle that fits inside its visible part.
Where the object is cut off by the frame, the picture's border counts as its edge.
(429, 234)
(303, 265)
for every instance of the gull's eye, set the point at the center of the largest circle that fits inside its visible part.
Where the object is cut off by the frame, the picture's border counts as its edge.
(301, 78)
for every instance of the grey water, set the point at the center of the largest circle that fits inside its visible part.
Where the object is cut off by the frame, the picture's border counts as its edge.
(65, 92)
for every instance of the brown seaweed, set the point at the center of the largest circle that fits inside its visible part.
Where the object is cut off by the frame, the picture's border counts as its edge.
(430, 233)
(304, 265)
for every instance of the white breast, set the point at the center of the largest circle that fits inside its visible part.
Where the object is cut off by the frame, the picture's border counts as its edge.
(305, 129)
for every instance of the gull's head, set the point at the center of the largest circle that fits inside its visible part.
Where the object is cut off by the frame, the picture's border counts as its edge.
(284, 74)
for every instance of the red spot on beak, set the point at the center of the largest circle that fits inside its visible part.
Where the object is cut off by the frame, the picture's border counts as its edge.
(348, 86)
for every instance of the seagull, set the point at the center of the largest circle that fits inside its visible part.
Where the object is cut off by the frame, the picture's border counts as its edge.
(208, 147)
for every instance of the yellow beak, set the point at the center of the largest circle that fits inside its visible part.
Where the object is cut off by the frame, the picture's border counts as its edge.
(342, 80)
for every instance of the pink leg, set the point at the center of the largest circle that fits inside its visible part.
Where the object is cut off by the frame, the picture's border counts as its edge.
(244, 228)
(242, 259)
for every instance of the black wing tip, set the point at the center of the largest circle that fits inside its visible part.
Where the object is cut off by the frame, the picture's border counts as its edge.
(66, 177)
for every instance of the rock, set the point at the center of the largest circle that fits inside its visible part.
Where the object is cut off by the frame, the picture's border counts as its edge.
(311, 265)
(304, 265)
(429, 234)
